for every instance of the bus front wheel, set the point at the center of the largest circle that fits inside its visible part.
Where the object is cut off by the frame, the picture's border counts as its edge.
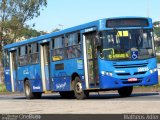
(28, 91)
(78, 91)
(125, 91)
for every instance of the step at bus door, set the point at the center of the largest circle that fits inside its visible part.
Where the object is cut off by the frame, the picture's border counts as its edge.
(45, 65)
(13, 69)
(90, 59)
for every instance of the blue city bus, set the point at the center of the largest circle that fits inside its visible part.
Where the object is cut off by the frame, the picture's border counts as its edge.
(107, 54)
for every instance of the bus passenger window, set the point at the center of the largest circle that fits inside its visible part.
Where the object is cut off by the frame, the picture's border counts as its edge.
(58, 43)
(73, 45)
(73, 39)
(29, 53)
(23, 55)
(66, 41)
(34, 53)
(58, 50)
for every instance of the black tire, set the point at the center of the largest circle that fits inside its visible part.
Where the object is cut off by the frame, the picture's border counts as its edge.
(77, 87)
(125, 91)
(28, 91)
(67, 94)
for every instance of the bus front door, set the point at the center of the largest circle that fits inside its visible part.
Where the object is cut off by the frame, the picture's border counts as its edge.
(90, 60)
(13, 69)
(45, 65)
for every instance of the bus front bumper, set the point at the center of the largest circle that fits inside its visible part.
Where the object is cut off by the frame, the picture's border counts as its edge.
(108, 82)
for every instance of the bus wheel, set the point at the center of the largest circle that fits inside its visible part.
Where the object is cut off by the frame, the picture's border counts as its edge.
(125, 91)
(78, 91)
(28, 92)
(67, 94)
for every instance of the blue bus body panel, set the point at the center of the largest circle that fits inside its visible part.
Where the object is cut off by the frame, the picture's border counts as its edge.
(33, 74)
(121, 75)
(7, 79)
(36, 85)
(20, 85)
(107, 82)
(63, 77)
(62, 84)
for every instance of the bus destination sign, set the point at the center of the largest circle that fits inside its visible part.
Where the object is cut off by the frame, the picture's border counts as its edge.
(127, 22)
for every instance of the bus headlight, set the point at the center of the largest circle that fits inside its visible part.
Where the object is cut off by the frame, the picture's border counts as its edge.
(153, 70)
(106, 73)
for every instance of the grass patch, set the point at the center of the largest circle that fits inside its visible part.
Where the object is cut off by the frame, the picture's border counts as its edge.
(149, 88)
(2, 88)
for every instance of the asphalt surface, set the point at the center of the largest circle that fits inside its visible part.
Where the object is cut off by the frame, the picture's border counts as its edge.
(102, 103)
(139, 96)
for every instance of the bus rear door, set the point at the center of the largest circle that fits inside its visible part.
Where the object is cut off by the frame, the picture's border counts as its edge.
(45, 65)
(13, 69)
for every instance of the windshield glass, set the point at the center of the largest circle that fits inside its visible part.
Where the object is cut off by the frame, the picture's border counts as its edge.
(126, 44)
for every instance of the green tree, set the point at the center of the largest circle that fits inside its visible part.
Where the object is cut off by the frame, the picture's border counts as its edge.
(13, 17)
(157, 31)
(156, 23)
(29, 32)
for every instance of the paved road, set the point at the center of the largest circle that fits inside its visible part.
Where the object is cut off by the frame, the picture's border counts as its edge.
(102, 103)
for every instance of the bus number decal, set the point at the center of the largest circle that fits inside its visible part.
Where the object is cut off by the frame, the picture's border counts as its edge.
(143, 69)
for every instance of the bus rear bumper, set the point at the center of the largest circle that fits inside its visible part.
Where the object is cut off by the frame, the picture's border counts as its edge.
(107, 82)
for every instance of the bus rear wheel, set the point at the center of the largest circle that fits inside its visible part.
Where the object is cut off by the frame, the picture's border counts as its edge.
(125, 91)
(67, 94)
(28, 91)
(78, 91)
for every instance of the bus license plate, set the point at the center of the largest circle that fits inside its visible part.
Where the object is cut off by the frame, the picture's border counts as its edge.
(132, 79)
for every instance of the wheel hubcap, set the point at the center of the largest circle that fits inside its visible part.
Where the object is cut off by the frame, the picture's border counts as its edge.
(78, 87)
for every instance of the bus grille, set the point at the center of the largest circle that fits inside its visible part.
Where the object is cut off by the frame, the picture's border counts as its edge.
(126, 74)
(131, 65)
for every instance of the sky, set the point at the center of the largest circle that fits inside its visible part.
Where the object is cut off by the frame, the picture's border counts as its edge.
(68, 13)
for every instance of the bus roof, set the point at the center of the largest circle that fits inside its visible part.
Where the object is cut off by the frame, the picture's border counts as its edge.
(68, 30)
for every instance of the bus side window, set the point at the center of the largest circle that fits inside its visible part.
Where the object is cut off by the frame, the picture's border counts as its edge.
(72, 45)
(34, 53)
(58, 50)
(29, 53)
(23, 55)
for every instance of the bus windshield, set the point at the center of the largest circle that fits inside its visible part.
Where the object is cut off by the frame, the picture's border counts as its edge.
(127, 44)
